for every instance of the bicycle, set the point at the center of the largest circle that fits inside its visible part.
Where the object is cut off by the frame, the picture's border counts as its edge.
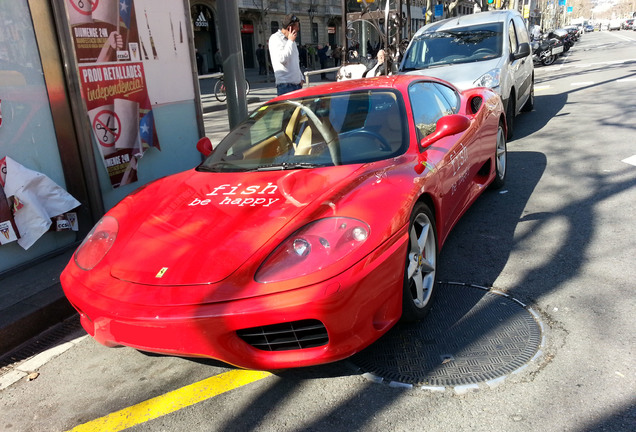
(220, 92)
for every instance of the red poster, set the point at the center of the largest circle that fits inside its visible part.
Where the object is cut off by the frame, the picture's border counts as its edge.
(104, 30)
(120, 115)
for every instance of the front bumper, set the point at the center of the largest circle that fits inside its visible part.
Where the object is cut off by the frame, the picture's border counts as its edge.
(355, 308)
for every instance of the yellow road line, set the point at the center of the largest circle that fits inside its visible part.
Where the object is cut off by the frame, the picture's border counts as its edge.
(171, 402)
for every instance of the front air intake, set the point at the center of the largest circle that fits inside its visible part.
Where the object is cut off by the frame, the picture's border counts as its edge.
(475, 104)
(286, 336)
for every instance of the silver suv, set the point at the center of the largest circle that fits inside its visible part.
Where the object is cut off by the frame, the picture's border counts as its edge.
(486, 49)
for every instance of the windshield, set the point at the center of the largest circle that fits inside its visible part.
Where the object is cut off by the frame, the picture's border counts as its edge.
(459, 45)
(319, 131)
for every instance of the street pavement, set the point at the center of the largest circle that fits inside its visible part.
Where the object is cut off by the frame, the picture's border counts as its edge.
(558, 237)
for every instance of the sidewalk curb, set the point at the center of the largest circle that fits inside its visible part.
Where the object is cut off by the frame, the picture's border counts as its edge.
(52, 307)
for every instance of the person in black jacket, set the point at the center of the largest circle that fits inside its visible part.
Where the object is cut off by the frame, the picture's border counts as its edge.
(260, 57)
(380, 67)
(322, 57)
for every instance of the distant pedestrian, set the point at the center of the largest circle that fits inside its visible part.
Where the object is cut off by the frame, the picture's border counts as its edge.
(322, 57)
(337, 55)
(379, 68)
(218, 59)
(370, 50)
(302, 52)
(199, 58)
(285, 58)
(260, 57)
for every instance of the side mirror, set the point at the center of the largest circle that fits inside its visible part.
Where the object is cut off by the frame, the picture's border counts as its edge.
(523, 50)
(446, 126)
(204, 146)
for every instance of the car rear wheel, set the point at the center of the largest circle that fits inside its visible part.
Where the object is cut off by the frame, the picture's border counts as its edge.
(529, 105)
(501, 159)
(421, 264)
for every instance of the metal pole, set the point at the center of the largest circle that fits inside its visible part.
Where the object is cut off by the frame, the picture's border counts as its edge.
(409, 21)
(345, 42)
(232, 53)
(195, 72)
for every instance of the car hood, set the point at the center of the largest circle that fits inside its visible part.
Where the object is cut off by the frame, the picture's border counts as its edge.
(199, 228)
(461, 75)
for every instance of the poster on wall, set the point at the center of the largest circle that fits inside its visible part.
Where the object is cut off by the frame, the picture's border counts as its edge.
(129, 53)
(120, 116)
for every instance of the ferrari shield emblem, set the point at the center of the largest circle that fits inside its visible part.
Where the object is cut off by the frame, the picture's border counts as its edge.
(161, 272)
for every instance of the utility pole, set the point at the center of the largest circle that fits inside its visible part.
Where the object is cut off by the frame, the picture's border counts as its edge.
(232, 53)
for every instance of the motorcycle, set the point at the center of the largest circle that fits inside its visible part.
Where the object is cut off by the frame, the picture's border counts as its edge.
(564, 36)
(546, 50)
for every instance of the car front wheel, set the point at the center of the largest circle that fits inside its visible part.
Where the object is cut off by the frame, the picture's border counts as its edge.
(529, 105)
(510, 115)
(421, 264)
(501, 159)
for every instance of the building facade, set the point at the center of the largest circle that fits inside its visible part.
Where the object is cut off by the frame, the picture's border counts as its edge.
(320, 24)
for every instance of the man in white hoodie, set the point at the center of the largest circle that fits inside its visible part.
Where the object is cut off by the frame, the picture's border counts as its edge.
(284, 55)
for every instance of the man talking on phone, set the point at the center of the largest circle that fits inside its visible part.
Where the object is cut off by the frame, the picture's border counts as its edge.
(284, 55)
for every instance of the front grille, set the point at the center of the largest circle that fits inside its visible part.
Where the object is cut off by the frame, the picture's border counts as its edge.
(286, 336)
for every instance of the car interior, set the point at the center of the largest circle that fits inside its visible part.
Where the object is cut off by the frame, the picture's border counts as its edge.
(328, 130)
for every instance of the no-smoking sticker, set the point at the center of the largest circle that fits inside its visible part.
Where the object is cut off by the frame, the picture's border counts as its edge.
(107, 127)
(85, 7)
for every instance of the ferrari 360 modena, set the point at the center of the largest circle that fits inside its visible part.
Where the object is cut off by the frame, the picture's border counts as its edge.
(307, 232)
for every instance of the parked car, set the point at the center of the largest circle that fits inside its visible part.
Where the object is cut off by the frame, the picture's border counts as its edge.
(490, 49)
(627, 24)
(307, 232)
(614, 25)
(588, 28)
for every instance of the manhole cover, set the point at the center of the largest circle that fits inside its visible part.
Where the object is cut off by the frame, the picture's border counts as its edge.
(472, 335)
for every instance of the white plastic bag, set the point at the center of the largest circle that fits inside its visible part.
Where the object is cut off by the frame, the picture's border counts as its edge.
(40, 198)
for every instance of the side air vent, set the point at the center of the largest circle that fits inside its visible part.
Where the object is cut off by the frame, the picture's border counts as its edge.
(475, 104)
(286, 336)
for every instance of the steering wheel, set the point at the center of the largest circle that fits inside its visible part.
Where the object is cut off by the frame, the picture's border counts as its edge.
(452, 58)
(484, 52)
(384, 145)
(329, 136)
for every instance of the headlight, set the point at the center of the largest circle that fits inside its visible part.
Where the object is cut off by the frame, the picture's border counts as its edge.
(97, 243)
(490, 79)
(312, 248)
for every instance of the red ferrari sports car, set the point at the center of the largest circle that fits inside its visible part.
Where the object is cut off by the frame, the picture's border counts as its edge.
(307, 232)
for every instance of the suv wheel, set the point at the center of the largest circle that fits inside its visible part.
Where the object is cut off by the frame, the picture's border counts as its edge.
(529, 105)
(510, 115)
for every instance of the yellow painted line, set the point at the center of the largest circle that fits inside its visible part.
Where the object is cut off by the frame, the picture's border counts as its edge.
(171, 402)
